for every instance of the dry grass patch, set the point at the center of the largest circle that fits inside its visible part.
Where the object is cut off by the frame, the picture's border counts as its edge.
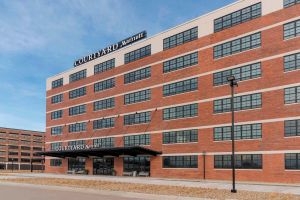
(156, 189)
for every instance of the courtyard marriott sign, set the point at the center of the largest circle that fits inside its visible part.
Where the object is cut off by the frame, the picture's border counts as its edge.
(76, 147)
(111, 48)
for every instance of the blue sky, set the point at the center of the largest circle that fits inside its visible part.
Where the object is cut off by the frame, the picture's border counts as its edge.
(40, 38)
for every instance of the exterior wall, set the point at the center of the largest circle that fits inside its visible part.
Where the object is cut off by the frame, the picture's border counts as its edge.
(271, 84)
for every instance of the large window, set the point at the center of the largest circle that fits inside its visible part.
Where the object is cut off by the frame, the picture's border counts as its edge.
(237, 17)
(57, 130)
(77, 110)
(57, 114)
(245, 102)
(137, 140)
(288, 3)
(104, 104)
(241, 73)
(137, 54)
(138, 164)
(291, 29)
(105, 66)
(77, 127)
(292, 62)
(57, 83)
(180, 62)
(292, 128)
(104, 142)
(104, 123)
(136, 97)
(238, 45)
(57, 98)
(77, 76)
(180, 87)
(77, 93)
(241, 132)
(76, 143)
(137, 75)
(76, 164)
(180, 162)
(244, 161)
(292, 95)
(55, 146)
(190, 110)
(55, 162)
(185, 136)
(104, 85)
(137, 118)
(292, 161)
(181, 38)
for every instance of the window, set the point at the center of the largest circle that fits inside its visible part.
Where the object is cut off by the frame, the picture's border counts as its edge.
(292, 62)
(25, 154)
(185, 136)
(180, 87)
(76, 143)
(288, 3)
(105, 66)
(292, 95)
(77, 76)
(291, 29)
(238, 45)
(57, 130)
(245, 161)
(77, 110)
(13, 147)
(245, 102)
(56, 146)
(25, 148)
(77, 93)
(241, 132)
(104, 142)
(57, 114)
(237, 17)
(292, 128)
(104, 85)
(241, 73)
(78, 127)
(181, 38)
(139, 164)
(137, 118)
(57, 83)
(57, 98)
(292, 161)
(180, 162)
(104, 104)
(13, 153)
(137, 75)
(76, 164)
(38, 148)
(180, 62)
(136, 97)
(104, 123)
(137, 54)
(55, 162)
(137, 140)
(190, 110)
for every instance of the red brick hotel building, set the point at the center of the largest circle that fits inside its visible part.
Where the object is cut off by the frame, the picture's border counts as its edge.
(160, 106)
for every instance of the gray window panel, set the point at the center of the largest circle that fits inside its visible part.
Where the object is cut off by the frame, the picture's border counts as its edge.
(137, 118)
(77, 127)
(104, 123)
(249, 131)
(77, 110)
(245, 161)
(180, 38)
(288, 3)
(292, 95)
(77, 76)
(180, 62)
(104, 104)
(291, 29)
(137, 75)
(57, 83)
(104, 85)
(180, 161)
(137, 140)
(105, 66)
(185, 136)
(57, 114)
(180, 87)
(57, 98)
(136, 97)
(137, 54)
(77, 93)
(190, 110)
(104, 142)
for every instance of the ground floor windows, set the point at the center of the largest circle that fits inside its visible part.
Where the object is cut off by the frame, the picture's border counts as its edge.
(292, 161)
(138, 164)
(103, 166)
(246, 161)
(76, 164)
(180, 162)
(55, 162)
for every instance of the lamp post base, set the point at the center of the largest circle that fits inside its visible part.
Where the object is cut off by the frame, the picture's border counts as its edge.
(233, 191)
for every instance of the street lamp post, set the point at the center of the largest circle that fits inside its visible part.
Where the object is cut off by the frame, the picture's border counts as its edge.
(232, 82)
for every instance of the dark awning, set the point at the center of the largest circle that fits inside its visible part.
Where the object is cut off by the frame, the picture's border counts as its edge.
(100, 152)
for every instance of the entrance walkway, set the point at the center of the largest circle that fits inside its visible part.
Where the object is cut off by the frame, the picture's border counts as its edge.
(258, 187)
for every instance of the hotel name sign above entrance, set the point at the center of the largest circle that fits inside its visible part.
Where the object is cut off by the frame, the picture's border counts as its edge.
(111, 48)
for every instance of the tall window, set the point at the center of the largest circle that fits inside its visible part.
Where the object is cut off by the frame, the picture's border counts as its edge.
(180, 161)
(190, 110)
(136, 97)
(292, 161)
(137, 140)
(288, 3)
(181, 38)
(180, 62)
(185, 136)
(77, 127)
(104, 104)
(292, 62)
(137, 54)
(137, 75)
(180, 87)
(291, 29)
(57, 83)
(292, 95)
(241, 73)
(244, 102)
(241, 132)
(105, 66)
(104, 142)
(238, 17)
(55, 146)
(57, 98)
(104, 85)
(56, 130)
(77, 76)
(104, 123)
(137, 118)
(139, 164)
(57, 114)
(77, 93)
(77, 110)
(292, 128)
(244, 161)
(238, 45)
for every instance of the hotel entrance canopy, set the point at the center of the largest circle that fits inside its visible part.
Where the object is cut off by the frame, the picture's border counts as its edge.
(100, 152)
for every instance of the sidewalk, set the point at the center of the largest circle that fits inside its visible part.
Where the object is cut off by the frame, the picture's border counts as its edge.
(257, 187)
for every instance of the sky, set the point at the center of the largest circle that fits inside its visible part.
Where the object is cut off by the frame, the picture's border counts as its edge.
(41, 38)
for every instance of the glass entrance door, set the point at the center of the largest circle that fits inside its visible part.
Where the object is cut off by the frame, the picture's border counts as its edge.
(103, 166)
